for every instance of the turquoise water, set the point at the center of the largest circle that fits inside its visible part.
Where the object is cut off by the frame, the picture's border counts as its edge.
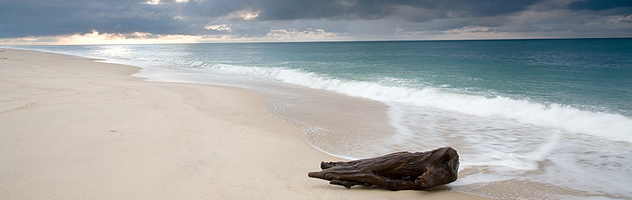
(558, 110)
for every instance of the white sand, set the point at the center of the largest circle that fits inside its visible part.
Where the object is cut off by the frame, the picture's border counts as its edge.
(72, 128)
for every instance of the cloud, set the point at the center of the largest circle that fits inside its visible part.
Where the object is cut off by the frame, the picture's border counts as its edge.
(58, 17)
(295, 35)
(599, 5)
(360, 9)
(104, 38)
(348, 19)
(218, 27)
(244, 14)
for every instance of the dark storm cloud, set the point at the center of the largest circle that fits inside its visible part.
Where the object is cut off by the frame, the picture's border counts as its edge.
(23, 18)
(57, 17)
(359, 9)
(598, 5)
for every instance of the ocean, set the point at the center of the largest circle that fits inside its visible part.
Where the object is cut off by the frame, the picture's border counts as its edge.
(535, 118)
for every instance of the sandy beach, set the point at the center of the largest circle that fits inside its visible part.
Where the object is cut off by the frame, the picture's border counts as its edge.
(74, 128)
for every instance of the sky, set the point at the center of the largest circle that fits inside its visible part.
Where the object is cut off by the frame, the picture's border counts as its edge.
(193, 21)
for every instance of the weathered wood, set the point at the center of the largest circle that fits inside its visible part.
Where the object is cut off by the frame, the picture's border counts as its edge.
(396, 171)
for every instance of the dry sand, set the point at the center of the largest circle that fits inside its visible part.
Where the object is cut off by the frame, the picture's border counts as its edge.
(73, 128)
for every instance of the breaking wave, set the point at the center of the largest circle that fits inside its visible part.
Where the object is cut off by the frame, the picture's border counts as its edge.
(563, 117)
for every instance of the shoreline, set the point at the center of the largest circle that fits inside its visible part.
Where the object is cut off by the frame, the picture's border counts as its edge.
(75, 129)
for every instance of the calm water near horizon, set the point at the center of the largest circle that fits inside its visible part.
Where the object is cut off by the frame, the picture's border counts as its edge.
(557, 113)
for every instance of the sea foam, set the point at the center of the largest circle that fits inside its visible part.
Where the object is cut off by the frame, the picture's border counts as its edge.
(563, 117)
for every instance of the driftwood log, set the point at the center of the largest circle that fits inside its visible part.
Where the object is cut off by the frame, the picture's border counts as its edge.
(396, 171)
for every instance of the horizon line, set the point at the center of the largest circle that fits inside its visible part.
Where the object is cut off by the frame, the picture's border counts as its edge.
(335, 41)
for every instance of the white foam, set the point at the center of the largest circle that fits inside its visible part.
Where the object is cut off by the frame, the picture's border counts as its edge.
(607, 125)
